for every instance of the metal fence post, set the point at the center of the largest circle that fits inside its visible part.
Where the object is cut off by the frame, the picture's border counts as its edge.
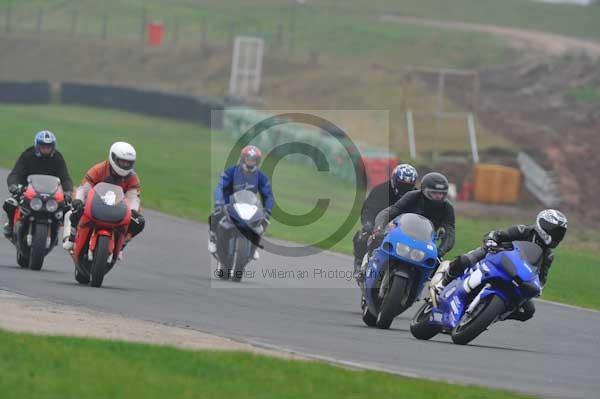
(74, 19)
(143, 23)
(473, 137)
(176, 30)
(204, 30)
(292, 29)
(7, 26)
(279, 36)
(104, 26)
(40, 18)
(410, 128)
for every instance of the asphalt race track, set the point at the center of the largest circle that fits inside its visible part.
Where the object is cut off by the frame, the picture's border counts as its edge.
(166, 277)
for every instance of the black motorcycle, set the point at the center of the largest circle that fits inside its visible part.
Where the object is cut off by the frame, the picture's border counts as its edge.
(37, 220)
(238, 234)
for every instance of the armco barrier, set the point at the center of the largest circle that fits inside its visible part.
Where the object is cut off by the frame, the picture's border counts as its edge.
(37, 92)
(238, 120)
(185, 108)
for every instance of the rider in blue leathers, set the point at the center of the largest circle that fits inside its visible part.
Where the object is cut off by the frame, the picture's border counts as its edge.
(244, 176)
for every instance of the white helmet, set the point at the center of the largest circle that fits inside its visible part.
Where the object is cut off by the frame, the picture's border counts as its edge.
(121, 157)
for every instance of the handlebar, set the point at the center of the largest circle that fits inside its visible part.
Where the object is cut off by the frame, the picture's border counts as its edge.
(501, 247)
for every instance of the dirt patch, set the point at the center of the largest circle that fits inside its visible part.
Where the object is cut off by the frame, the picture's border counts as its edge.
(531, 104)
(24, 314)
(543, 42)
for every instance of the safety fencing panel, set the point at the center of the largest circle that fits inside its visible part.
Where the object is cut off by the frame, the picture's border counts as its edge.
(540, 182)
(303, 141)
(181, 107)
(36, 92)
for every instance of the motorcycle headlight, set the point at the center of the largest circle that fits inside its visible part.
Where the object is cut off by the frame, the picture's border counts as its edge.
(417, 255)
(36, 204)
(402, 250)
(51, 205)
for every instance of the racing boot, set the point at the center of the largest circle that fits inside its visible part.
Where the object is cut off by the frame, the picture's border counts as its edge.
(69, 242)
(212, 242)
(8, 230)
(441, 279)
(360, 274)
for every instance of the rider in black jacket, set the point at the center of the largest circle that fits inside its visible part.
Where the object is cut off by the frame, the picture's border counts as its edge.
(42, 159)
(547, 232)
(429, 202)
(402, 180)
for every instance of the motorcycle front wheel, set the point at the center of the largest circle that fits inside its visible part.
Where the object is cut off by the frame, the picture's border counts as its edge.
(472, 324)
(393, 302)
(38, 246)
(99, 264)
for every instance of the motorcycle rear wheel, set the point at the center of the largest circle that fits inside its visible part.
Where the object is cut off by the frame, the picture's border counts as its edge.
(22, 260)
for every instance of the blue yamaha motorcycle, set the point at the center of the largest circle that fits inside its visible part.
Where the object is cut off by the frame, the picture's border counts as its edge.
(488, 292)
(398, 269)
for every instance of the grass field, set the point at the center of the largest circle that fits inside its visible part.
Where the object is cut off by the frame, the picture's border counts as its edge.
(56, 367)
(175, 168)
(341, 23)
(301, 29)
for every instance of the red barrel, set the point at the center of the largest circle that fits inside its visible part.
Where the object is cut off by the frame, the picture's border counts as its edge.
(156, 31)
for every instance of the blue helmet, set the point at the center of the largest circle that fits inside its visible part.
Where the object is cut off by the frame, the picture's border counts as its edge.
(403, 175)
(44, 138)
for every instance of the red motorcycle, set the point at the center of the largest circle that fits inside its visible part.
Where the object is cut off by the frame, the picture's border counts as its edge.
(101, 233)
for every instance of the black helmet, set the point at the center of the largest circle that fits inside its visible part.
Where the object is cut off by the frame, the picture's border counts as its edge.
(551, 226)
(434, 187)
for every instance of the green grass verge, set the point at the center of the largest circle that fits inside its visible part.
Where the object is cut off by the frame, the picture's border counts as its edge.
(58, 367)
(177, 178)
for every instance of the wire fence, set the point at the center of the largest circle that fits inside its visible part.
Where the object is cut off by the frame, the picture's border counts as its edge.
(292, 27)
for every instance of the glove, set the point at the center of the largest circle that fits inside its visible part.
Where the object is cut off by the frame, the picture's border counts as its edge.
(77, 205)
(15, 189)
(68, 198)
(375, 235)
(137, 216)
(219, 208)
(490, 245)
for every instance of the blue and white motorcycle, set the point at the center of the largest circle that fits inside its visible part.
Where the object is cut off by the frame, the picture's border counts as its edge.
(398, 269)
(238, 234)
(487, 292)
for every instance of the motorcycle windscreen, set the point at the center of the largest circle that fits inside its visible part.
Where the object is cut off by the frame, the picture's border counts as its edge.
(529, 252)
(108, 204)
(44, 184)
(416, 227)
(245, 197)
(246, 204)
